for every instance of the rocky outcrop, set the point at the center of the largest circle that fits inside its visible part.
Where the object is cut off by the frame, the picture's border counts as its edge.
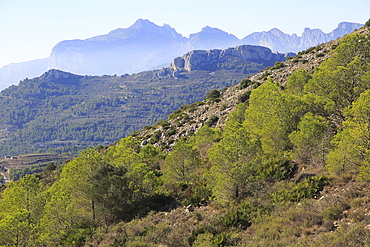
(54, 74)
(209, 60)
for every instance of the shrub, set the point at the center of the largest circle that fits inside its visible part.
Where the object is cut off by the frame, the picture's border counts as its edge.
(198, 194)
(165, 125)
(276, 168)
(244, 97)
(212, 121)
(170, 132)
(245, 83)
(278, 65)
(332, 212)
(264, 76)
(213, 94)
(308, 188)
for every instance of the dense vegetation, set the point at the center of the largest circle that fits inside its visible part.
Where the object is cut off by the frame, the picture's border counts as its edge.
(242, 181)
(62, 112)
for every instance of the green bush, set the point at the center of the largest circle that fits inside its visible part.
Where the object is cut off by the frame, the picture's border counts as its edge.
(264, 76)
(244, 97)
(308, 188)
(245, 83)
(213, 94)
(275, 168)
(278, 65)
(170, 132)
(332, 212)
(212, 121)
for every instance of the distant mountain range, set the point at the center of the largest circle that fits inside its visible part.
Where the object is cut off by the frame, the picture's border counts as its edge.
(145, 45)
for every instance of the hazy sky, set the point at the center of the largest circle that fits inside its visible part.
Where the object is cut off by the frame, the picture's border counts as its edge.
(30, 28)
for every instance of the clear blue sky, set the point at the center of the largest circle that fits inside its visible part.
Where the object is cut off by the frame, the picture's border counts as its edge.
(30, 28)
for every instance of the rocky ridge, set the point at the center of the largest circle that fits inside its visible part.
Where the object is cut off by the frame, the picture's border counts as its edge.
(208, 60)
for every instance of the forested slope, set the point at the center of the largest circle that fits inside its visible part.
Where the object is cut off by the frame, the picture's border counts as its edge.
(62, 112)
(289, 167)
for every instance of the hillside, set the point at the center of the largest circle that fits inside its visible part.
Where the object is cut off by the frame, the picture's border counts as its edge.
(15, 167)
(62, 112)
(281, 159)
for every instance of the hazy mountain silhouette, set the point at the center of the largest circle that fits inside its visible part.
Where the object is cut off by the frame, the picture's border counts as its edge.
(145, 45)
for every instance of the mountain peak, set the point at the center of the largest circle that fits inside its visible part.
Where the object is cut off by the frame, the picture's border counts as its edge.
(212, 31)
(140, 23)
(57, 74)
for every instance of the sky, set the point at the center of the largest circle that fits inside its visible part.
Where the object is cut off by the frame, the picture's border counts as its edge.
(29, 29)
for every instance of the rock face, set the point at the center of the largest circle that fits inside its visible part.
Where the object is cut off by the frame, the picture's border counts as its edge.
(208, 60)
(55, 74)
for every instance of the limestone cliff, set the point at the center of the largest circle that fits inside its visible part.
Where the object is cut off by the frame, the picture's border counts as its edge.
(209, 60)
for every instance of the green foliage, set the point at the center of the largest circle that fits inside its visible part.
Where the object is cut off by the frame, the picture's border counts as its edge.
(181, 165)
(207, 135)
(71, 114)
(198, 194)
(245, 97)
(278, 65)
(20, 210)
(351, 142)
(311, 140)
(245, 83)
(275, 168)
(341, 78)
(213, 94)
(235, 177)
(307, 188)
(212, 121)
(233, 159)
(270, 117)
(242, 216)
(296, 82)
(19, 173)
